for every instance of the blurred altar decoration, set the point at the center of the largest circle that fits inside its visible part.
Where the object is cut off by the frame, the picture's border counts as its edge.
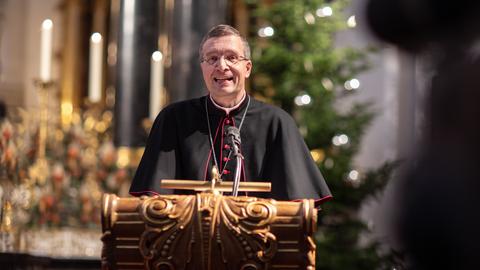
(61, 199)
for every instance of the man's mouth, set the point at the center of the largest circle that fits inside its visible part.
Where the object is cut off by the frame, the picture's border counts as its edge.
(224, 79)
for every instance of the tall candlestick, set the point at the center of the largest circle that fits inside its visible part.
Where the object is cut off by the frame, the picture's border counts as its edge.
(46, 51)
(95, 68)
(157, 95)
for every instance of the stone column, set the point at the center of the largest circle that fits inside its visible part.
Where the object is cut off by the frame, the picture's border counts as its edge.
(137, 40)
(191, 20)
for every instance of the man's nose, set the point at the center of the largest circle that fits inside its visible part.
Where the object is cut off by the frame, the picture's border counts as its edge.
(222, 63)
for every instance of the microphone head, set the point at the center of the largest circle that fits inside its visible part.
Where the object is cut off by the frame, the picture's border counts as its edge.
(234, 132)
(231, 130)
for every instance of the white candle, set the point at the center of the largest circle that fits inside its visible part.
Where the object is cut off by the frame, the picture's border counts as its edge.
(95, 68)
(157, 96)
(46, 51)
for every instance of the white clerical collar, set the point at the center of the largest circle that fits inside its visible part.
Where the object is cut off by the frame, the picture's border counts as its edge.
(228, 110)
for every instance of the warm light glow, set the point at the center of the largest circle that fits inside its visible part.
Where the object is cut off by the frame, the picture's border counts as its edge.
(123, 158)
(101, 127)
(67, 108)
(89, 123)
(66, 113)
(76, 119)
(318, 155)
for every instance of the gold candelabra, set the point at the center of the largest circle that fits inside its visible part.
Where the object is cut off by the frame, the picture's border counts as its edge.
(39, 171)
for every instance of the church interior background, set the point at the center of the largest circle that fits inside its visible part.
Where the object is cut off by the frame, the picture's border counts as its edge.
(76, 132)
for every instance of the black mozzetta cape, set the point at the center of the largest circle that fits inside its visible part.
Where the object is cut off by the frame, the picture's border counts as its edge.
(178, 147)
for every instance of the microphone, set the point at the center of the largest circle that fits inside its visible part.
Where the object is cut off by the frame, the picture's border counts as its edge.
(234, 134)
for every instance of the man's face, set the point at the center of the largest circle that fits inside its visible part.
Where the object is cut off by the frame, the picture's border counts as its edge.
(224, 79)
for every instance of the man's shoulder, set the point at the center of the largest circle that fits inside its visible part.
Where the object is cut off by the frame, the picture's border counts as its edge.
(183, 106)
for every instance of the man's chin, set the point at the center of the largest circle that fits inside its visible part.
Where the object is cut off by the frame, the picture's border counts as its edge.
(223, 91)
(224, 86)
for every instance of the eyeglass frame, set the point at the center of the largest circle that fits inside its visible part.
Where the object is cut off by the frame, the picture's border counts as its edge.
(228, 62)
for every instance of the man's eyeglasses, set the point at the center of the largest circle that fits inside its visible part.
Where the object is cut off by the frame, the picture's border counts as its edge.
(229, 59)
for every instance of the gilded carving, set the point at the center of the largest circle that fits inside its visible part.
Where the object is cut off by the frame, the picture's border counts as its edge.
(167, 219)
(250, 220)
(209, 231)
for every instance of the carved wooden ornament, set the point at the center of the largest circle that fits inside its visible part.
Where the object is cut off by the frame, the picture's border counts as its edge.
(207, 231)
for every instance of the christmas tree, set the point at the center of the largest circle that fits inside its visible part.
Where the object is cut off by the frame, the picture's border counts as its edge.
(298, 67)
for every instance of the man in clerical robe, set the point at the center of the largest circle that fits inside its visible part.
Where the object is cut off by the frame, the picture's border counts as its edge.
(189, 137)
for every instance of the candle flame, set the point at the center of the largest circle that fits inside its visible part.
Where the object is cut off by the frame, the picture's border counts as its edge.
(96, 37)
(47, 24)
(157, 56)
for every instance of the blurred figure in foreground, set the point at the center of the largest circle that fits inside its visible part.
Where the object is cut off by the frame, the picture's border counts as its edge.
(439, 223)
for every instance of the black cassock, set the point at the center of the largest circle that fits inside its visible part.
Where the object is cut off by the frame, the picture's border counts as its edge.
(178, 147)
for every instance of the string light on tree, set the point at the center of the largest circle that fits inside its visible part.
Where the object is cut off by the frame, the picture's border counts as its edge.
(308, 65)
(328, 163)
(353, 178)
(318, 155)
(339, 140)
(351, 21)
(266, 31)
(353, 175)
(303, 100)
(315, 71)
(309, 18)
(324, 12)
(352, 84)
(327, 84)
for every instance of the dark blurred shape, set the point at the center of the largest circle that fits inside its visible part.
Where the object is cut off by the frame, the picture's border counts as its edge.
(191, 20)
(3, 110)
(137, 40)
(413, 24)
(439, 220)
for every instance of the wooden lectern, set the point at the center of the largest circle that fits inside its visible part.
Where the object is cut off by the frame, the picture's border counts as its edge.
(207, 230)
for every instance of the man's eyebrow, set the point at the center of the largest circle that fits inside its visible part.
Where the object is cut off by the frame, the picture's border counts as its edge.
(222, 52)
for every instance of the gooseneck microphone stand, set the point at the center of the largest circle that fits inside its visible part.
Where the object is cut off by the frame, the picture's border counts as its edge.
(234, 134)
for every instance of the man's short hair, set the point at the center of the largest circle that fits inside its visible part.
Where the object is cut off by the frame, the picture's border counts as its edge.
(222, 30)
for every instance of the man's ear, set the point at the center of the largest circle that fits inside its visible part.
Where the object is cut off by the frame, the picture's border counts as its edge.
(249, 67)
